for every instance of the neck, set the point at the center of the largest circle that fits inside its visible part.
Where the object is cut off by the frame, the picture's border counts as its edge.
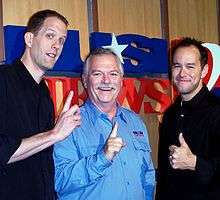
(108, 108)
(35, 71)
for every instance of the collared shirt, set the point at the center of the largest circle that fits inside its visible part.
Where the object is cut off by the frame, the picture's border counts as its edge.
(82, 170)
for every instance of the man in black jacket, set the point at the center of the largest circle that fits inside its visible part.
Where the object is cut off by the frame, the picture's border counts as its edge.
(27, 116)
(189, 153)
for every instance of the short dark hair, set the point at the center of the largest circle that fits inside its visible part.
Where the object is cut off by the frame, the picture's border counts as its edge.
(37, 19)
(101, 51)
(186, 42)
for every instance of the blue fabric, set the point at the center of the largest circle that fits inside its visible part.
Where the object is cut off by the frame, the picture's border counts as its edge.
(83, 172)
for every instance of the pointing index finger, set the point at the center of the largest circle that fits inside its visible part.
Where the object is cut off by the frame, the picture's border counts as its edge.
(114, 130)
(68, 102)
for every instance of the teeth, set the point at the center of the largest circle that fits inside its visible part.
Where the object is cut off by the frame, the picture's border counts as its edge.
(51, 55)
(106, 88)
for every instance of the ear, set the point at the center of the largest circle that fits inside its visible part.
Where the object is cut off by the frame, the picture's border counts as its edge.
(205, 71)
(28, 38)
(84, 80)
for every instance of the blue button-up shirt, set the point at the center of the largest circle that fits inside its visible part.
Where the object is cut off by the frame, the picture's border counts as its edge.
(82, 170)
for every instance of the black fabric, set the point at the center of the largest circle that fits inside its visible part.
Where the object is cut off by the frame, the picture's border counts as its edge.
(199, 121)
(26, 109)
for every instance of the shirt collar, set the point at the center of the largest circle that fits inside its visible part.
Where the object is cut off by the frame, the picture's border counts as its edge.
(27, 79)
(197, 100)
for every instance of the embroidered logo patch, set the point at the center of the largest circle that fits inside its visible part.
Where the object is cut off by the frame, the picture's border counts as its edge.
(138, 133)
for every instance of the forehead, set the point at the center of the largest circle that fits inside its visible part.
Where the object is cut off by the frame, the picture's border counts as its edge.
(105, 62)
(185, 53)
(55, 24)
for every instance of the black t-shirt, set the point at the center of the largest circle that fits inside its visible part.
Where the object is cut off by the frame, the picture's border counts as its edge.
(8, 145)
(26, 109)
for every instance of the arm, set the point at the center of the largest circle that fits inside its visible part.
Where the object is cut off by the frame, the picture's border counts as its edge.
(208, 167)
(74, 171)
(162, 161)
(150, 171)
(67, 121)
(143, 150)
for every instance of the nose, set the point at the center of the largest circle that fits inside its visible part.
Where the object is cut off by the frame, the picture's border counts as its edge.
(106, 78)
(56, 44)
(182, 71)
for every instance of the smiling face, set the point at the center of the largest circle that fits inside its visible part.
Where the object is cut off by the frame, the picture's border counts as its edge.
(46, 46)
(103, 81)
(187, 72)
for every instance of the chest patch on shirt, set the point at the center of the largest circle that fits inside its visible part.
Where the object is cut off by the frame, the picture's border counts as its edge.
(138, 133)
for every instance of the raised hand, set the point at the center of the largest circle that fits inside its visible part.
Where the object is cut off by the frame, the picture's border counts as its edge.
(68, 119)
(181, 157)
(113, 144)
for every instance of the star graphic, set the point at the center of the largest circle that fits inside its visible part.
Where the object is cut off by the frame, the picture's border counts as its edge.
(116, 48)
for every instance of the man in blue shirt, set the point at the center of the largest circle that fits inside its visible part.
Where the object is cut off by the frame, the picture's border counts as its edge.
(108, 156)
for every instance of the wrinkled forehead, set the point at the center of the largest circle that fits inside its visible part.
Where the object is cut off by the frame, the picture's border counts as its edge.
(186, 53)
(105, 62)
(54, 24)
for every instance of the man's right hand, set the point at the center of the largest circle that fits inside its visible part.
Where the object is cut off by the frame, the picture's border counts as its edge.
(113, 144)
(68, 119)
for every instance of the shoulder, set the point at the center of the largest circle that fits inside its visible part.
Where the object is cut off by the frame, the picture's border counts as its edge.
(213, 100)
(130, 113)
(132, 118)
(5, 71)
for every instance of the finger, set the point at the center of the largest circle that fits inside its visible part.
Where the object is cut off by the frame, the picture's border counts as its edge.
(182, 140)
(73, 110)
(114, 130)
(67, 102)
(172, 149)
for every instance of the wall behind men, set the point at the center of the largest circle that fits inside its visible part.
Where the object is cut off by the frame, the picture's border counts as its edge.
(166, 19)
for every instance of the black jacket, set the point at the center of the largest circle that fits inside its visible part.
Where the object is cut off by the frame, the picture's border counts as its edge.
(25, 109)
(199, 121)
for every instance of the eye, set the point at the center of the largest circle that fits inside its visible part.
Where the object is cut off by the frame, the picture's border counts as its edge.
(96, 74)
(115, 74)
(190, 66)
(50, 35)
(175, 66)
(62, 41)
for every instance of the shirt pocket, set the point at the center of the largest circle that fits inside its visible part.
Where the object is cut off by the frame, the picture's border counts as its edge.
(143, 152)
(141, 145)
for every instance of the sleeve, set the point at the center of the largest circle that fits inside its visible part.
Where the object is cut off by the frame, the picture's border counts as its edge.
(73, 171)
(162, 160)
(8, 145)
(208, 167)
(149, 186)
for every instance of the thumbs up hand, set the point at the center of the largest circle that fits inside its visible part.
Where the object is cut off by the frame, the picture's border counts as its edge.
(113, 144)
(181, 157)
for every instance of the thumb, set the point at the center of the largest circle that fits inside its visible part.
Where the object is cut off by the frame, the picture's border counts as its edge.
(182, 140)
(114, 130)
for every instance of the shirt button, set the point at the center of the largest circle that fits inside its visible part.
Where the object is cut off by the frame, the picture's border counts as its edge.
(124, 163)
(182, 115)
(128, 183)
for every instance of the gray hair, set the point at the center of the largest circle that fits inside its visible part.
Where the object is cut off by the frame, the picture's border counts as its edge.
(98, 52)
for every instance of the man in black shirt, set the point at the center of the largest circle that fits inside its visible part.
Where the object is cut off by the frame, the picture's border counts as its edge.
(189, 153)
(27, 127)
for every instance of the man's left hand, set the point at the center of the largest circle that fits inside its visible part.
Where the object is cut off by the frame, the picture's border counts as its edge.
(181, 157)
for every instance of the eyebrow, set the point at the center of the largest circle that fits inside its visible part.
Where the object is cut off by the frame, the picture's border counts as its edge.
(51, 29)
(174, 63)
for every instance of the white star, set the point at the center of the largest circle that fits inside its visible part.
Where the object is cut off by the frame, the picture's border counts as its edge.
(116, 48)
